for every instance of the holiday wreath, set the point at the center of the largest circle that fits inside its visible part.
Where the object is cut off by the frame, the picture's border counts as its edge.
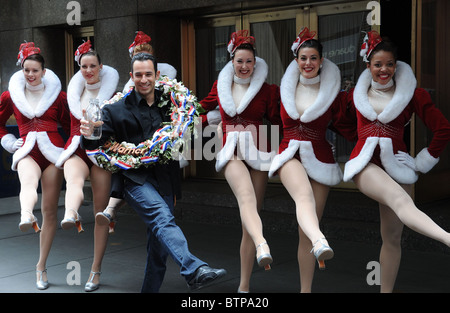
(166, 141)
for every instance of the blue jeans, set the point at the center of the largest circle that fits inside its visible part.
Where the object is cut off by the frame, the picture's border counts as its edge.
(164, 237)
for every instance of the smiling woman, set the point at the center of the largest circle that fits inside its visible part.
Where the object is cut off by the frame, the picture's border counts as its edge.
(34, 69)
(93, 81)
(38, 105)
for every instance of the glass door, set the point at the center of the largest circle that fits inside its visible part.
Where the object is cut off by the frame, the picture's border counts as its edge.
(274, 33)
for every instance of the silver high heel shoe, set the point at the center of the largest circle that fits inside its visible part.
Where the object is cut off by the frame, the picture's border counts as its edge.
(28, 223)
(90, 286)
(105, 218)
(41, 284)
(322, 253)
(264, 259)
(69, 223)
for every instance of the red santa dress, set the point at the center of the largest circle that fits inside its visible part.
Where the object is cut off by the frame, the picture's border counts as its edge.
(243, 125)
(380, 136)
(305, 134)
(38, 127)
(109, 79)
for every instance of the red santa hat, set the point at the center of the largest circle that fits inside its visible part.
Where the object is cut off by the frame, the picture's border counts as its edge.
(303, 36)
(82, 49)
(25, 50)
(238, 38)
(371, 40)
(141, 38)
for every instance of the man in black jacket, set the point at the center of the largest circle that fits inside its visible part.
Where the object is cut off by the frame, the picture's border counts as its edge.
(151, 191)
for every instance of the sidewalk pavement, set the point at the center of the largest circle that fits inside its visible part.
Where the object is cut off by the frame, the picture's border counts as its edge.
(123, 265)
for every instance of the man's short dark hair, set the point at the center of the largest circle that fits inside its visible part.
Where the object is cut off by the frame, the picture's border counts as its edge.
(143, 56)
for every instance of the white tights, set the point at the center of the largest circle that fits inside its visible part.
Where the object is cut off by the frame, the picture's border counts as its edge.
(76, 172)
(248, 187)
(296, 181)
(51, 180)
(396, 208)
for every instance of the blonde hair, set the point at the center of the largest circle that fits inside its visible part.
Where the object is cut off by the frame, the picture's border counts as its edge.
(145, 47)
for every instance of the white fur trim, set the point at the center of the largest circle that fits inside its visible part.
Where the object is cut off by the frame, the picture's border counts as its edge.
(47, 148)
(330, 84)
(246, 150)
(167, 70)
(256, 159)
(358, 163)
(405, 85)
(67, 153)
(425, 161)
(286, 155)
(225, 81)
(325, 173)
(400, 172)
(329, 174)
(17, 91)
(8, 141)
(109, 78)
(227, 151)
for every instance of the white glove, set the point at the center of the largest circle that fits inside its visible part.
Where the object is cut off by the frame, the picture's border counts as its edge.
(18, 144)
(11, 143)
(214, 117)
(407, 160)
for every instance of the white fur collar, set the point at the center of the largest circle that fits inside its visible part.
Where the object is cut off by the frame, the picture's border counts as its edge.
(225, 80)
(330, 84)
(405, 84)
(17, 91)
(109, 80)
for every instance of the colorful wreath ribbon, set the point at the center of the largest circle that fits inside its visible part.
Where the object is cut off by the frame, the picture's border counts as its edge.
(166, 141)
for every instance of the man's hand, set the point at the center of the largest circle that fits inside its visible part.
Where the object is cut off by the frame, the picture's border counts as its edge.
(86, 126)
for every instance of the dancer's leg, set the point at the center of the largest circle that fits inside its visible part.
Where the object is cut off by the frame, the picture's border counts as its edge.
(29, 174)
(247, 249)
(378, 185)
(51, 183)
(101, 185)
(391, 252)
(75, 172)
(306, 260)
(239, 179)
(296, 181)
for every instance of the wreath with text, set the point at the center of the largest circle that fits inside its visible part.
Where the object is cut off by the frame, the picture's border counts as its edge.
(166, 142)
